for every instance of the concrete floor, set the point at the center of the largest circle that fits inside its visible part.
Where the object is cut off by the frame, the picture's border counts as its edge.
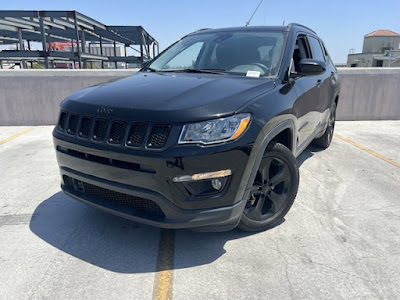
(341, 239)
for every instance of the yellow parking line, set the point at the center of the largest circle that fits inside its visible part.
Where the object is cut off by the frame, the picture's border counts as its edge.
(162, 289)
(15, 136)
(376, 154)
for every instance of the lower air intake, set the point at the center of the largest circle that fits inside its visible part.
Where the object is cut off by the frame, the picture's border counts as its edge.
(137, 203)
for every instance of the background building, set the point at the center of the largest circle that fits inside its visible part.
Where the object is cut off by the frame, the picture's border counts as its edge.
(69, 39)
(380, 49)
(94, 48)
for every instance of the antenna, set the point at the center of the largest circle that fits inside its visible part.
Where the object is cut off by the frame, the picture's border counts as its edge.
(248, 22)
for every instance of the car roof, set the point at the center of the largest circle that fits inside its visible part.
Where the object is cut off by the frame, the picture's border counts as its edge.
(236, 29)
(255, 28)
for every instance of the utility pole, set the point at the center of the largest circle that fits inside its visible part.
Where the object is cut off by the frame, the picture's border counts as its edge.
(248, 22)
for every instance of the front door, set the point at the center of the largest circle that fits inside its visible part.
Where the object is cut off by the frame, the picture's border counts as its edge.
(306, 107)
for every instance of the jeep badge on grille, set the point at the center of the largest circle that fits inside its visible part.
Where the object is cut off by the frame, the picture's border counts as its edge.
(104, 111)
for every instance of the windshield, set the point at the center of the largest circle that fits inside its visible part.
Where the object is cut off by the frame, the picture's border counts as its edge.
(231, 52)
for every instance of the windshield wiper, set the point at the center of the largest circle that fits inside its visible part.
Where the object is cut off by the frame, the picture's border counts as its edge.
(189, 70)
(212, 71)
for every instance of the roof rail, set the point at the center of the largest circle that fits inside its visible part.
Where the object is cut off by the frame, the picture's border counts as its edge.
(300, 25)
(201, 29)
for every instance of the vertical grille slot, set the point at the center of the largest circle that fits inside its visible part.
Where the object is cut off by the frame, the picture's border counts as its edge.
(62, 120)
(84, 129)
(72, 124)
(158, 136)
(100, 129)
(136, 134)
(117, 132)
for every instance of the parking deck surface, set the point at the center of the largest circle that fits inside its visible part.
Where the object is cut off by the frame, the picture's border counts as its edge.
(341, 239)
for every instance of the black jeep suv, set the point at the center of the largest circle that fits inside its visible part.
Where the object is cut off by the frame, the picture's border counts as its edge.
(204, 136)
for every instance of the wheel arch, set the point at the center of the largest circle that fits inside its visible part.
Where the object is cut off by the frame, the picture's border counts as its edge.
(285, 137)
(335, 98)
(276, 126)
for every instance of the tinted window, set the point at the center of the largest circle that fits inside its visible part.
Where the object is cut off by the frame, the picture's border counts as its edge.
(324, 49)
(301, 51)
(316, 49)
(234, 52)
(326, 54)
(186, 58)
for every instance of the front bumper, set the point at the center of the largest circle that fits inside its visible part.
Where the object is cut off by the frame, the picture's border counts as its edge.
(137, 178)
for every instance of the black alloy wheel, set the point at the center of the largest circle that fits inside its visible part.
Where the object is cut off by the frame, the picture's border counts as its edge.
(273, 191)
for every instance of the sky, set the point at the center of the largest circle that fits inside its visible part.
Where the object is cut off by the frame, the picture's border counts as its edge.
(342, 24)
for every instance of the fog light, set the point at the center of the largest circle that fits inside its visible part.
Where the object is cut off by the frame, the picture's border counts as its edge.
(216, 184)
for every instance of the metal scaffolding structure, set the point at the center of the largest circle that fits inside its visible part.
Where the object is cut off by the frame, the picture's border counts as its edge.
(21, 28)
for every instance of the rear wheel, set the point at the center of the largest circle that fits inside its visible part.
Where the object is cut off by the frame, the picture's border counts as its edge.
(273, 191)
(325, 140)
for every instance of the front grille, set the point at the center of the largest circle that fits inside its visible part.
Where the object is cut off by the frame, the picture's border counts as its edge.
(136, 134)
(63, 119)
(84, 129)
(100, 128)
(158, 136)
(72, 124)
(124, 200)
(115, 132)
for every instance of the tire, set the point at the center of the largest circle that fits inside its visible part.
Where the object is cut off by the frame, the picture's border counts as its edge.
(325, 140)
(273, 191)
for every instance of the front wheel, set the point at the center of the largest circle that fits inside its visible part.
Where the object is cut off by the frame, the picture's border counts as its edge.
(273, 191)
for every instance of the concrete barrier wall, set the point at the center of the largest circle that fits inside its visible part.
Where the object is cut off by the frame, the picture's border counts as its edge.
(32, 97)
(369, 94)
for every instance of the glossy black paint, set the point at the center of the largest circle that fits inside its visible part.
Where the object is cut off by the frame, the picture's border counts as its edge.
(303, 102)
(169, 97)
(310, 67)
(155, 174)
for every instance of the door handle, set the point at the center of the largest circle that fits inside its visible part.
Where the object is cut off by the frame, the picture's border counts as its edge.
(319, 81)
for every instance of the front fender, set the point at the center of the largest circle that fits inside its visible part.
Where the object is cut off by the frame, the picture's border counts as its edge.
(267, 133)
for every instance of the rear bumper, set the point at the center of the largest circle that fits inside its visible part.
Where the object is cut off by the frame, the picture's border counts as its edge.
(150, 179)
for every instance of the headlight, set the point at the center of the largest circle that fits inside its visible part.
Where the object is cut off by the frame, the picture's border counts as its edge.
(214, 131)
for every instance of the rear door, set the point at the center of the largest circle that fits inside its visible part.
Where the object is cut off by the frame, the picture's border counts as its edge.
(323, 83)
(331, 84)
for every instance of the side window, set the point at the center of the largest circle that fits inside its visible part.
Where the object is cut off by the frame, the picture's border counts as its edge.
(186, 58)
(324, 49)
(301, 51)
(316, 49)
(327, 54)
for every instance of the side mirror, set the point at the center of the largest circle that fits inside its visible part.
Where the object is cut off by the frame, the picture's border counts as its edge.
(310, 67)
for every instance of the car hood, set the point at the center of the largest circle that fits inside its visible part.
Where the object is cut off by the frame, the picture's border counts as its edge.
(166, 97)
